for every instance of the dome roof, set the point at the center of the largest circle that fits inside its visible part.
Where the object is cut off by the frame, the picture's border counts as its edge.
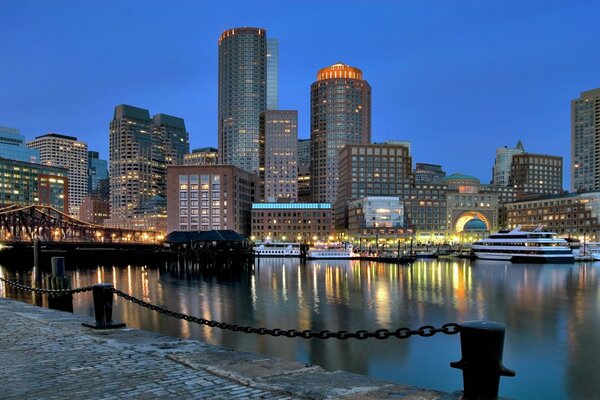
(475, 225)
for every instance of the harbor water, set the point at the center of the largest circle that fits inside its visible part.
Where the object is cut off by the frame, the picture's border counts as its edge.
(551, 313)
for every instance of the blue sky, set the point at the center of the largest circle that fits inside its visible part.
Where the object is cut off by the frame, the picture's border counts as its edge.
(457, 78)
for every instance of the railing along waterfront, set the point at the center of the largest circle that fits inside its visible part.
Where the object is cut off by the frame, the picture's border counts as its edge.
(482, 342)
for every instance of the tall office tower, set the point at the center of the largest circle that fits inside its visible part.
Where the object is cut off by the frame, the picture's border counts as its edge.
(536, 174)
(140, 150)
(280, 176)
(340, 114)
(272, 74)
(67, 152)
(97, 175)
(202, 156)
(242, 96)
(303, 153)
(12, 146)
(585, 141)
(502, 163)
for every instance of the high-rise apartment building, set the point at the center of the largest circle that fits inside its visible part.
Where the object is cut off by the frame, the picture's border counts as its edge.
(202, 156)
(67, 152)
(272, 74)
(280, 174)
(585, 141)
(12, 146)
(340, 115)
(140, 150)
(242, 96)
(503, 162)
(536, 174)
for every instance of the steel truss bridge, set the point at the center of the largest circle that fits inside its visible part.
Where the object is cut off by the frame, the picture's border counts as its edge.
(24, 224)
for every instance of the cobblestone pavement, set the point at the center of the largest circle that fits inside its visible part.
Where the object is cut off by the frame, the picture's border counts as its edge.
(47, 354)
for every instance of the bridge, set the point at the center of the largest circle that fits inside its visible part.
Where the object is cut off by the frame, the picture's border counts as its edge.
(24, 224)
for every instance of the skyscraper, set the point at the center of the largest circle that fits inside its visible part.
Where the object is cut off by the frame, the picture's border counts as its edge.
(97, 175)
(242, 96)
(502, 163)
(12, 146)
(585, 141)
(67, 152)
(140, 150)
(280, 175)
(340, 115)
(272, 74)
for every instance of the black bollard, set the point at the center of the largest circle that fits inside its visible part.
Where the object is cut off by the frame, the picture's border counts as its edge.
(103, 301)
(482, 343)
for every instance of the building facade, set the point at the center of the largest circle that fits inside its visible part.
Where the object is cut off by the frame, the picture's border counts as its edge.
(12, 146)
(272, 74)
(425, 211)
(536, 174)
(575, 215)
(210, 197)
(24, 184)
(294, 222)
(66, 152)
(242, 96)
(428, 173)
(97, 176)
(279, 178)
(140, 149)
(503, 162)
(585, 141)
(377, 217)
(340, 115)
(94, 209)
(202, 156)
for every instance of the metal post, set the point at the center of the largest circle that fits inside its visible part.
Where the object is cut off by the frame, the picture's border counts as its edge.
(482, 343)
(103, 301)
(58, 281)
(36, 252)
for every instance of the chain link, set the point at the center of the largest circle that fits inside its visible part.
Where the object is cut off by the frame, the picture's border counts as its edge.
(46, 291)
(401, 333)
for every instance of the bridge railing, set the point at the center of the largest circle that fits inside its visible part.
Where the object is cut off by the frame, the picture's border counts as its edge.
(482, 342)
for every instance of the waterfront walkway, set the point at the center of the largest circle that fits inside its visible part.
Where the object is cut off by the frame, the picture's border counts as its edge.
(47, 354)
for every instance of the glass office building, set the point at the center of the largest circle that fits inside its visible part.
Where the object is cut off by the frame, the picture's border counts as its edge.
(12, 146)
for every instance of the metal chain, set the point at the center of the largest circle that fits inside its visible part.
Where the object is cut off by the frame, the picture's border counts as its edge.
(401, 333)
(47, 291)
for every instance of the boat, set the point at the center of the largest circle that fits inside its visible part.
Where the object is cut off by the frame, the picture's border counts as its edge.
(425, 254)
(524, 244)
(331, 251)
(464, 252)
(595, 253)
(280, 249)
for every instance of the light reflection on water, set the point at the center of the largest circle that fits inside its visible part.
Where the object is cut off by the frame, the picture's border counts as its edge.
(552, 314)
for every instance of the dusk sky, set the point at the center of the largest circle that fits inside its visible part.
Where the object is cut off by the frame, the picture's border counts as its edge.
(456, 78)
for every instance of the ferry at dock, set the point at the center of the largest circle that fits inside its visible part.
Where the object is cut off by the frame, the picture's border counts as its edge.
(525, 245)
(277, 249)
(331, 251)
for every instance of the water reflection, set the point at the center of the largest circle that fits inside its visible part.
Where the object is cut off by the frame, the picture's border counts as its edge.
(552, 314)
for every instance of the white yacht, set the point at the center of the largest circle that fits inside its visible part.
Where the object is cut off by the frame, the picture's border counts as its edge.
(524, 244)
(331, 251)
(269, 249)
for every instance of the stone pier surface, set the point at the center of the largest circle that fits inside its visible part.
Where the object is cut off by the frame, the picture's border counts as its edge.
(47, 354)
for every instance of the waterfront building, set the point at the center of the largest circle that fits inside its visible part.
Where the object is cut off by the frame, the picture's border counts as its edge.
(428, 173)
(502, 163)
(202, 156)
(466, 201)
(70, 153)
(340, 115)
(12, 146)
(371, 170)
(293, 222)
(575, 215)
(425, 211)
(97, 176)
(585, 141)
(536, 174)
(210, 197)
(242, 96)
(279, 176)
(272, 74)
(94, 209)
(379, 218)
(24, 184)
(140, 150)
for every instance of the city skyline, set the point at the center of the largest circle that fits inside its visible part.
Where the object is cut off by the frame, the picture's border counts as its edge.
(464, 75)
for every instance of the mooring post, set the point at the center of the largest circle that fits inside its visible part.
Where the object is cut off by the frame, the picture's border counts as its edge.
(482, 344)
(58, 281)
(36, 252)
(103, 302)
